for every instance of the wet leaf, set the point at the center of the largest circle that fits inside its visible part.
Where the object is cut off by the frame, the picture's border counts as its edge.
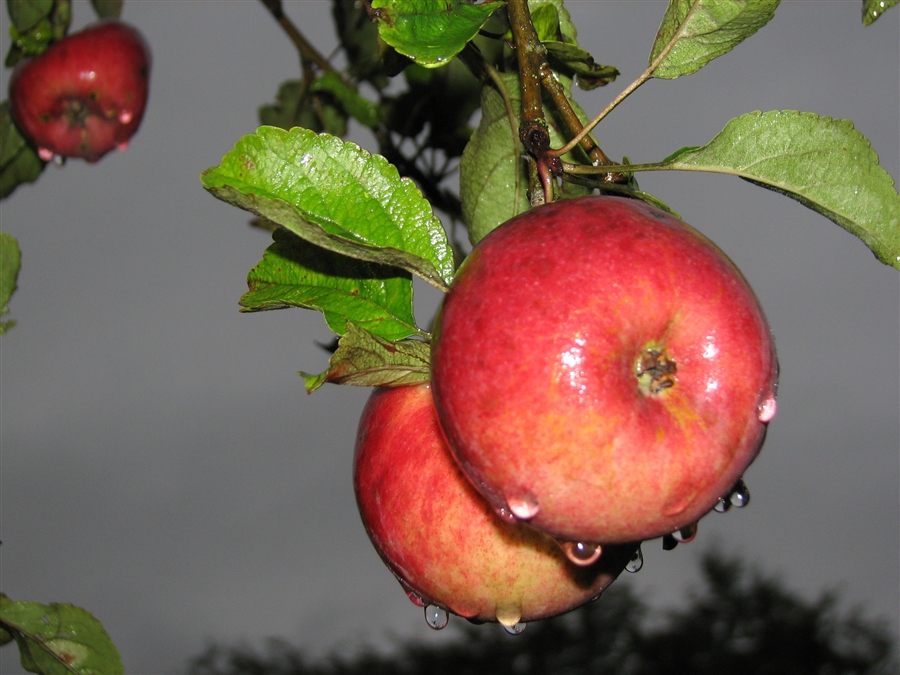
(365, 360)
(295, 273)
(10, 261)
(59, 639)
(873, 9)
(821, 162)
(431, 32)
(337, 196)
(694, 32)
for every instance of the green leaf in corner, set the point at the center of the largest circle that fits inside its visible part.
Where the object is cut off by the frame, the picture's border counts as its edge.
(10, 260)
(430, 32)
(694, 32)
(337, 196)
(295, 273)
(821, 162)
(59, 639)
(366, 360)
(107, 9)
(873, 9)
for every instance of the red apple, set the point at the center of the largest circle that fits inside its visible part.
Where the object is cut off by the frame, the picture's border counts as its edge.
(602, 370)
(86, 94)
(442, 540)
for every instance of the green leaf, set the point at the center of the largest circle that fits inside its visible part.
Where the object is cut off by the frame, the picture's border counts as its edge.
(493, 179)
(873, 9)
(431, 32)
(59, 639)
(358, 107)
(10, 262)
(574, 61)
(295, 273)
(366, 360)
(694, 32)
(107, 9)
(336, 196)
(295, 108)
(26, 14)
(565, 30)
(19, 162)
(821, 162)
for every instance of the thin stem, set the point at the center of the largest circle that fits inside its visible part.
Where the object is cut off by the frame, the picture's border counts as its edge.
(307, 51)
(603, 113)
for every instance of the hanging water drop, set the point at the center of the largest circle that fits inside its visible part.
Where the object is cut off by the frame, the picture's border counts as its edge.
(723, 505)
(740, 495)
(669, 542)
(767, 409)
(685, 534)
(636, 562)
(436, 617)
(524, 507)
(581, 553)
(515, 629)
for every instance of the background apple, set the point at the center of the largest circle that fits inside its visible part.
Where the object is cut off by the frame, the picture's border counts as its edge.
(602, 370)
(442, 540)
(86, 94)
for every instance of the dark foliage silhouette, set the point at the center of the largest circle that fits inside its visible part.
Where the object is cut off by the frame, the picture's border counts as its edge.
(739, 622)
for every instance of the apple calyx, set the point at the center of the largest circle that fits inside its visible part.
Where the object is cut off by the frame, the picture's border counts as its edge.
(655, 372)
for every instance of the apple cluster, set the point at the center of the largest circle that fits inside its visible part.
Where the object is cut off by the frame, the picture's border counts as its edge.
(601, 374)
(85, 95)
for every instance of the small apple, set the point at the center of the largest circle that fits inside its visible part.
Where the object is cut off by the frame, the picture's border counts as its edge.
(86, 94)
(439, 537)
(602, 370)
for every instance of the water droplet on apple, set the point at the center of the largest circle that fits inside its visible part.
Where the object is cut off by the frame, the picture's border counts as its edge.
(46, 154)
(685, 534)
(723, 505)
(767, 409)
(740, 495)
(516, 629)
(125, 116)
(436, 617)
(581, 553)
(636, 562)
(509, 617)
(121, 147)
(669, 542)
(524, 507)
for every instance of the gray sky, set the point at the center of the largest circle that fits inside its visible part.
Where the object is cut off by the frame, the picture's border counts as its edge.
(163, 467)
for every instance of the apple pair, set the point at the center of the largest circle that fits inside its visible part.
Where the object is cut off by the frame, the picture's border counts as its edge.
(602, 374)
(85, 95)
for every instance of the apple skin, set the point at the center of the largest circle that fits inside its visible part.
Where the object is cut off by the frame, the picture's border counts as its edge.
(86, 94)
(439, 537)
(535, 359)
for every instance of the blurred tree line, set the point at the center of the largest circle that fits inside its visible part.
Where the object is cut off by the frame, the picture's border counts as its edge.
(739, 622)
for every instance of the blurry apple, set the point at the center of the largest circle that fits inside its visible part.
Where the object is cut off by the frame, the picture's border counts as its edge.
(602, 370)
(86, 94)
(442, 540)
